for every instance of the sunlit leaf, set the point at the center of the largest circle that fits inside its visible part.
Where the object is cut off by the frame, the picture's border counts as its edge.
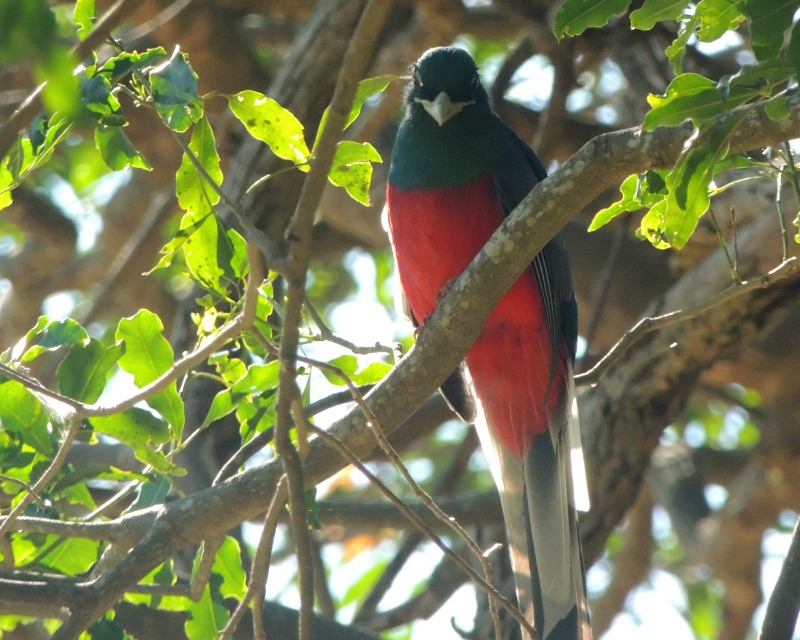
(116, 68)
(195, 193)
(717, 17)
(147, 356)
(575, 16)
(366, 88)
(352, 168)
(350, 366)
(259, 378)
(6, 183)
(628, 202)
(83, 17)
(689, 182)
(271, 123)
(228, 564)
(159, 461)
(222, 405)
(48, 336)
(83, 373)
(22, 414)
(207, 616)
(653, 11)
(135, 427)
(71, 556)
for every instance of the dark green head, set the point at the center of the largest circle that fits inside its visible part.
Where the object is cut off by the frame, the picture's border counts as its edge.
(449, 135)
(444, 81)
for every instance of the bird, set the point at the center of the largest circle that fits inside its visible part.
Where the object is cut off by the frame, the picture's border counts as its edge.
(457, 170)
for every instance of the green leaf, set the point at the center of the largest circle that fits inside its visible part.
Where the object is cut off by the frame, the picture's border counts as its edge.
(692, 96)
(107, 629)
(49, 336)
(195, 194)
(259, 378)
(84, 371)
(777, 108)
(100, 102)
(717, 17)
(628, 202)
(654, 11)
(228, 564)
(135, 427)
(208, 252)
(62, 91)
(151, 493)
(22, 414)
(147, 356)
(793, 50)
(676, 51)
(652, 225)
(6, 184)
(27, 29)
(366, 88)
(147, 353)
(71, 556)
(350, 367)
(116, 68)
(207, 616)
(159, 462)
(117, 150)
(190, 223)
(222, 405)
(269, 122)
(83, 17)
(689, 181)
(352, 168)
(575, 16)
(769, 19)
(174, 86)
(364, 583)
(681, 100)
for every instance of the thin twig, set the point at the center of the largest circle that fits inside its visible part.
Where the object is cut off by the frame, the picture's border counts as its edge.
(260, 570)
(330, 336)
(299, 234)
(724, 245)
(444, 486)
(646, 325)
(418, 522)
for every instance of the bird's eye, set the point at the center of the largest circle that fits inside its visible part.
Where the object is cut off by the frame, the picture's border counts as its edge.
(417, 77)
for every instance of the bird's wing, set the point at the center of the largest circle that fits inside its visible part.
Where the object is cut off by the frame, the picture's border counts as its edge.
(516, 172)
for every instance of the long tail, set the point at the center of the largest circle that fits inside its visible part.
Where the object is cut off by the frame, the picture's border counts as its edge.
(538, 494)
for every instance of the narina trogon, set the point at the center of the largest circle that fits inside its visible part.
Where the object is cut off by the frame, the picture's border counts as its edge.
(457, 170)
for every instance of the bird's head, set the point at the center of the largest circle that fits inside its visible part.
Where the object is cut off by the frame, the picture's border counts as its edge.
(445, 80)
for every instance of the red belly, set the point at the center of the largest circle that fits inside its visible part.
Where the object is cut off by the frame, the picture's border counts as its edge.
(435, 234)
